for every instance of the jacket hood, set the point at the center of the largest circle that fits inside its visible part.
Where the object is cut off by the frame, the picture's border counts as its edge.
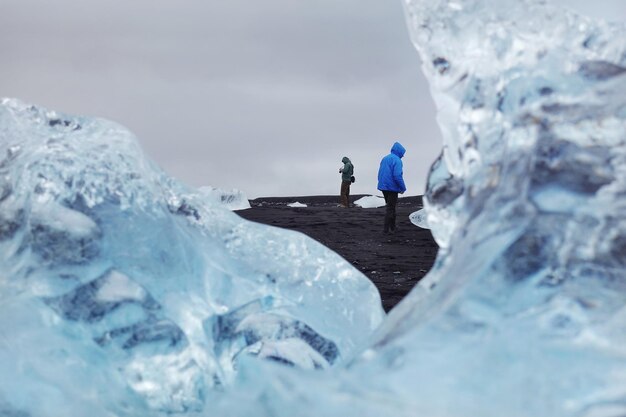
(398, 149)
(345, 160)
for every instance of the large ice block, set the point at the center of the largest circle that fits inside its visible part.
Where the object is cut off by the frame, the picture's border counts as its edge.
(524, 311)
(124, 292)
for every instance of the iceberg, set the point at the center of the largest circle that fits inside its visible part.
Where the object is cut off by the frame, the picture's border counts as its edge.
(124, 292)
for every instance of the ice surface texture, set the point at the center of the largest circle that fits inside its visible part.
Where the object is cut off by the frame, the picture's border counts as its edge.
(296, 204)
(233, 200)
(524, 312)
(370, 201)
(418, 218)
(125, 293)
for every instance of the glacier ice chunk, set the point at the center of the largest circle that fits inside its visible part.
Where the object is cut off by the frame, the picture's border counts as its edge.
(297, 204)
(523, 312)
(419, 218)
(517, 316)
(124, 292)
(233, 200)
(370, 201)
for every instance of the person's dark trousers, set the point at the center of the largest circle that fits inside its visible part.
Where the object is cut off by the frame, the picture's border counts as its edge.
(391, 200)
(345, 193)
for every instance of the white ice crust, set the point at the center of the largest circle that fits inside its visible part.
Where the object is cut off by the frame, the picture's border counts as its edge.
(419, 218)
(233, 200)
(370, 201)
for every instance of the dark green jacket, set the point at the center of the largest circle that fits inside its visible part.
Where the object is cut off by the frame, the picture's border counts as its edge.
(348, 169)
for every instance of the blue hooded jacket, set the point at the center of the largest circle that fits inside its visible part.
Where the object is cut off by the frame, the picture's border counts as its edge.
(390, 171)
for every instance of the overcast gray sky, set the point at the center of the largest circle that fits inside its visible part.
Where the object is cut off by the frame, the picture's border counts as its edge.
(265, 96)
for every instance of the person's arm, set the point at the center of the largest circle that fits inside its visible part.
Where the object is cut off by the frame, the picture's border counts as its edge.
(397, 176)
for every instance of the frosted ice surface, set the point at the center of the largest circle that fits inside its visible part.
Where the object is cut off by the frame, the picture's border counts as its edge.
(370, 201)
(523, 314)
(419, 218)
(123, 292)
(296, 204)
(233, 200)
(524, 311)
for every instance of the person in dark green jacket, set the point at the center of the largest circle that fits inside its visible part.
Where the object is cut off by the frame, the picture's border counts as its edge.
(347, 171)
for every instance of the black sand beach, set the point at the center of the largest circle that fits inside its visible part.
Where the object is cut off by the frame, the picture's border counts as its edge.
(394, 263)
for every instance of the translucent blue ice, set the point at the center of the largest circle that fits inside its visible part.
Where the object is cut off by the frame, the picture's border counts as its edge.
(234, 199)
(524, 312)
(123, 292)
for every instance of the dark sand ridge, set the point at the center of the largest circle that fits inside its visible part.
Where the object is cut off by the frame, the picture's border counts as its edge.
(394, 263)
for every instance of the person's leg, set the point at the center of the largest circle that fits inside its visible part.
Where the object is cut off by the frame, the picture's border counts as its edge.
(344, 193)
(393, 202)
(387, 195)
(348, 194)
(341, 193)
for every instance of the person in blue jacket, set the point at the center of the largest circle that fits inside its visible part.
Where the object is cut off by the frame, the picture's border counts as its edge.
(390, 182)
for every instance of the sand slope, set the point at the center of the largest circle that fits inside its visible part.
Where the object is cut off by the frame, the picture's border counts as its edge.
(395, 263)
